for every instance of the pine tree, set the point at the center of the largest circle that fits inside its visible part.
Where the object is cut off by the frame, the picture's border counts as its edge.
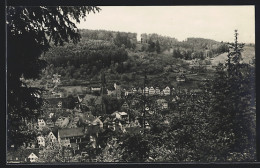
(234, 56)
(233, 102)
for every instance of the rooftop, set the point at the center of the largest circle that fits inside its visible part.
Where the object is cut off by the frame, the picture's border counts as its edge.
(71, 132)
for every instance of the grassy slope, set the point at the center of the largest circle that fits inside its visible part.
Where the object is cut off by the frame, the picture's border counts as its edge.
(247, 55)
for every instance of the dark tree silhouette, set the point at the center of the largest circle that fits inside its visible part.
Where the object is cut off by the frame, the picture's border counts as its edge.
(30, 30)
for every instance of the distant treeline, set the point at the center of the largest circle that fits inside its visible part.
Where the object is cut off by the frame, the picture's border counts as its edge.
(129, 40)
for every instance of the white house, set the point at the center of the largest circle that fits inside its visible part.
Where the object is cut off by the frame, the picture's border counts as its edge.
(41, 140)
(41, 123)
(52, 137)
(33, 157)
(95, 89)
(151, 91)
(146, 90)
(167, 91)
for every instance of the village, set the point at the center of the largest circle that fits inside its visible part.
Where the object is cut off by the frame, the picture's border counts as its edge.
(72, 128)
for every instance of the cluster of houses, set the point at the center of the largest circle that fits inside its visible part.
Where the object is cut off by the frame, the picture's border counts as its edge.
(75, 129)
(72, 132)
(118, 91)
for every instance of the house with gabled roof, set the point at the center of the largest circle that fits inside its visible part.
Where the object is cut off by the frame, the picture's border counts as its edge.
(52, 137)
(41, 123)
(167, 91)
(151, 91)
(146, 91)
(22, 155)
(41, 141)
(70, 135)
(33, 157)
(97, 122)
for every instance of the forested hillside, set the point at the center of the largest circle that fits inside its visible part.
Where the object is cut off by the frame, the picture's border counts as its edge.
(123, 58)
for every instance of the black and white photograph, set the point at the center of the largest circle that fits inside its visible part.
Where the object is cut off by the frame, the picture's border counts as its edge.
(130, 84)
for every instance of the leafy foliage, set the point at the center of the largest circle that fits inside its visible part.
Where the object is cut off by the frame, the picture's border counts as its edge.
(29, 33)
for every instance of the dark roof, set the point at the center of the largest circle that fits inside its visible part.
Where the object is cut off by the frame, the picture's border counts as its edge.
(71, 132)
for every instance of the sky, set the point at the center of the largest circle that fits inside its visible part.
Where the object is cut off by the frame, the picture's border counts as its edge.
(213, 22)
